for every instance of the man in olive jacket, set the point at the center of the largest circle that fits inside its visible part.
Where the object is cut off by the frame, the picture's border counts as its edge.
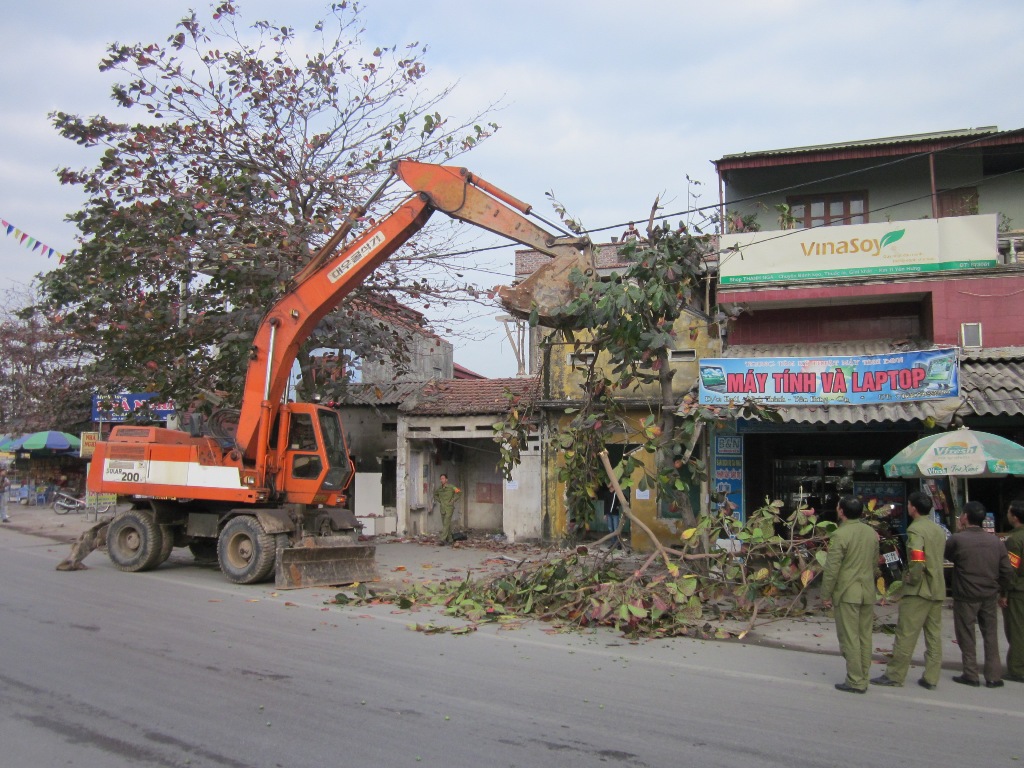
(981, 571)
(445, 495)
(1013, 603)
(848, 586)
(924, 590)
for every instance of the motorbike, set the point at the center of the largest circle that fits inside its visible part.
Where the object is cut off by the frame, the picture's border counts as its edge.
(65, 502)
(890, 560)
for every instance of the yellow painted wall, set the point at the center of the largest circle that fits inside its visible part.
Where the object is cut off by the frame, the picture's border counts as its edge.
(562, 382)
(564, 375)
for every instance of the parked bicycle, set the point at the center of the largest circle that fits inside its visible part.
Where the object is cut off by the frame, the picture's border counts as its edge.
(65, 502)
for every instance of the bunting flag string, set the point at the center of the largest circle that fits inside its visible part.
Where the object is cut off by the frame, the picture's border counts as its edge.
(23, 238)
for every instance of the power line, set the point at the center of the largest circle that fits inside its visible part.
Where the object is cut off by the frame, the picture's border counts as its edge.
(790, 232)
(800, 185)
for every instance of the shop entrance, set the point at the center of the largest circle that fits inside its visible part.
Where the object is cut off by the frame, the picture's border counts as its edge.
(819, 483)
(817, 468)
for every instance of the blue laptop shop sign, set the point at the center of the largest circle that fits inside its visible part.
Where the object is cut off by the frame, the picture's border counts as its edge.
(896, 377)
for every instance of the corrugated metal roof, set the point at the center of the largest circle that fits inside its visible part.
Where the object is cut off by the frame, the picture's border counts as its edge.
(379, 394)
(991, 384)
(962, 133)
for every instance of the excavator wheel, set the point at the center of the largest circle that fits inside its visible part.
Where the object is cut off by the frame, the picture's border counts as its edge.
(135, 542)
(245, 551)
(167, 543)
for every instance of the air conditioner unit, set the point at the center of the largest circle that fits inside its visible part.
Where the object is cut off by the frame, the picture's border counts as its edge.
(970, 334)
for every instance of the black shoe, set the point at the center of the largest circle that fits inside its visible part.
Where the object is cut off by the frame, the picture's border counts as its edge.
(993, 683)
(849, 688)
(883, 680)
(965, 681)
(925, 684)
(1014, 678)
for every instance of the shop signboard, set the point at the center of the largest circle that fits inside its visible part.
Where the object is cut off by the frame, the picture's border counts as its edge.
(896, 377)
(88, 447)
(728, 479)
(119, 407)
(859, 250)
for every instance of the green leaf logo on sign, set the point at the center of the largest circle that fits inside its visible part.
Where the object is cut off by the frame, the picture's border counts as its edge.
(890, 237)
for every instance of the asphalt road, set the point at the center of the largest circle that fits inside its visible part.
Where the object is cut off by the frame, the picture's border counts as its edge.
(179, 668)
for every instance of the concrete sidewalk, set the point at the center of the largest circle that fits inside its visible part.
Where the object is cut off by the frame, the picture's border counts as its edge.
(405, 561)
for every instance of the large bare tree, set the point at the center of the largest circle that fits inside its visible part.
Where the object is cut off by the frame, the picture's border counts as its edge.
(249, 145)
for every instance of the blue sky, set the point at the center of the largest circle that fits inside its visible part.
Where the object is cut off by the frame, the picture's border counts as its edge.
(607, 104)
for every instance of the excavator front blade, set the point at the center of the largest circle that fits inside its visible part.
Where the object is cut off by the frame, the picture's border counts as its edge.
(321, 561)
(548, 290)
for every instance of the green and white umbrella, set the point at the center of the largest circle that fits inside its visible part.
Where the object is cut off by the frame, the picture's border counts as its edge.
(963, 453)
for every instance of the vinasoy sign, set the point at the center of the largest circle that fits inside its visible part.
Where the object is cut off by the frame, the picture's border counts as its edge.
(924, 245)
(897, 377)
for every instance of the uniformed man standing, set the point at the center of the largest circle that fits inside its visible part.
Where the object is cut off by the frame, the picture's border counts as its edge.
(1013, 603)
(924, 590)
(848, 586)
(445, 496)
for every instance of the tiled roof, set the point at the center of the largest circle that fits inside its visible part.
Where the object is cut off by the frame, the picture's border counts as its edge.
(991, 384)
(468, 397)
(993, 381)
(462, 372)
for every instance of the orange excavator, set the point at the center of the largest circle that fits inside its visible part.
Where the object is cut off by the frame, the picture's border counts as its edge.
(272, 498)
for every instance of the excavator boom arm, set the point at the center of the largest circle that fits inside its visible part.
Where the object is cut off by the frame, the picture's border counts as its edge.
(336, 271)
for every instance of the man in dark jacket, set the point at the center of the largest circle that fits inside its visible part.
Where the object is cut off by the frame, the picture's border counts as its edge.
(1013, 603)
(848, 586)
(924, 590)
(981, 570)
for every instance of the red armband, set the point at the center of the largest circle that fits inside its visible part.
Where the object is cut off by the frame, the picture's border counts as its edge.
(917, 556)
(1014, 560)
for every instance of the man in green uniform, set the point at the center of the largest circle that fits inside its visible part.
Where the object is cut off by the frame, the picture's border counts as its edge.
(848, 586)
(1013, 603)
(924, 590)
(445, 496)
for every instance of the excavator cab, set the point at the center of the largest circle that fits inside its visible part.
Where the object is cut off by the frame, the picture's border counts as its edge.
(316, 473)
(317, 468)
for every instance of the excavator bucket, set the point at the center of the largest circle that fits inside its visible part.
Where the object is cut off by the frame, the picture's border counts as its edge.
(548, 289)
(321, 561)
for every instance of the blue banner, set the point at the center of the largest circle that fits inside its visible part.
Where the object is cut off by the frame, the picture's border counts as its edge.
(119, 407)
(897, 377)
(728, 477)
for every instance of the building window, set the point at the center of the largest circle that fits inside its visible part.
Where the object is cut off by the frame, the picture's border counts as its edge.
(962, 201)
(970, 334)
(682, 355)
(581, 359)
(828, 210)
